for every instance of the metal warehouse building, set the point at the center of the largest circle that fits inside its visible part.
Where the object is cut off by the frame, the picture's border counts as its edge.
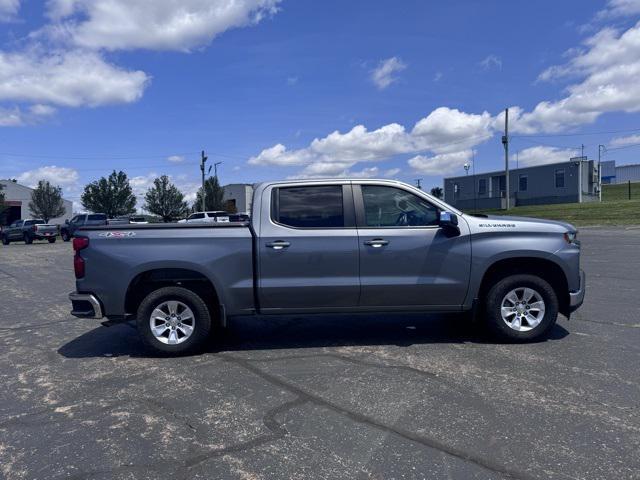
(240, 195)
(17, 198)
(612, 173)
(565, 182)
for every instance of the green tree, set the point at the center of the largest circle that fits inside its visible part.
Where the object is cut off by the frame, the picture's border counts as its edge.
(46, 201)
(112, 195)
(437, 192)
(165, 200)
(213, 196)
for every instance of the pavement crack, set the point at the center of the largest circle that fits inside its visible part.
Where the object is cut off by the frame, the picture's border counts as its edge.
(432, 443)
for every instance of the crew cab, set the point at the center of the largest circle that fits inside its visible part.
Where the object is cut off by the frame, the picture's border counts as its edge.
(68, 230)
(28, 230)
(326, 247)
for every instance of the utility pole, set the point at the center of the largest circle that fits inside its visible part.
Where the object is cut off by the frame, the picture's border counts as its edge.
(582, 153)
(601, 148)
(418, 180)
(505, 142)
(203, 160)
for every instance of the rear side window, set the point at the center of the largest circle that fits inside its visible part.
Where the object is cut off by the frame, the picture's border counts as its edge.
(196, 216)
(310, 207)
(93, 218)
(394, 207)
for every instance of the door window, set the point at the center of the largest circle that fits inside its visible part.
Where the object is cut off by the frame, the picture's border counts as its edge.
(394, 207)
(310, 207)
(196, 216)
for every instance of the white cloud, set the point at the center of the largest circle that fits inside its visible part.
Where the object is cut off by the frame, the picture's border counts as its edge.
(175, 158)
(619, 8)
(440, 164)
(17, 117)
(491, 62)
(542, 155)
(624, 141)
(392, 172)
(141, 183)
(68, 78)
(8, 9)
(443, 131)
(609, 64)
(292, 81)
(59, 176)
(384, 74)
(155, 25)
(437, 76)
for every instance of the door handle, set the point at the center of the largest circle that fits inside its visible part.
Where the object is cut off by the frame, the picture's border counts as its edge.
(278, 244)
(376, 242)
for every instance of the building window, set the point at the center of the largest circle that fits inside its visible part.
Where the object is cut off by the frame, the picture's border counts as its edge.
(482, 186)
(523, 183)
(560, 178)
(456, 191)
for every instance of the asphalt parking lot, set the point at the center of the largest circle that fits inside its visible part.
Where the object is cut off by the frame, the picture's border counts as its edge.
(403, 396)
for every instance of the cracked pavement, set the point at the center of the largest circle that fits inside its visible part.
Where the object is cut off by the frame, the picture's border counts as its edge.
(376, 396)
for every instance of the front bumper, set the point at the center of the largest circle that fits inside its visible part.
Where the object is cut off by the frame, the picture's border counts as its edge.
(85, 305)
(576, 298)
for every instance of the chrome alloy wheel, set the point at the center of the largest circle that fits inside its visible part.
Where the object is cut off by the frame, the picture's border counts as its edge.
(172, 322)
(522, 309)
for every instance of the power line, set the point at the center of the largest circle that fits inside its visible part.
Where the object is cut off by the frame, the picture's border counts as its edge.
(535, 135)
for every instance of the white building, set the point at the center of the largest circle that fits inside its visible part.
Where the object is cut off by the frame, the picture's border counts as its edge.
(240, 195)
(17, 198)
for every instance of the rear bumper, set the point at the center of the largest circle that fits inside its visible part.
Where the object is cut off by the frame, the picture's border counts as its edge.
(85, 305)
(576, 298)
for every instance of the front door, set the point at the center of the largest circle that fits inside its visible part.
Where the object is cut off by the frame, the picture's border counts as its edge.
(406, 259)
(308, 249)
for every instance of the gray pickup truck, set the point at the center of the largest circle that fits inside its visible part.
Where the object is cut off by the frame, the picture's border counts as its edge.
(28, 230)
(326, 247)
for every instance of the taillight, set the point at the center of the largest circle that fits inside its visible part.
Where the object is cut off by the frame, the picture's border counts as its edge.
(79, 243)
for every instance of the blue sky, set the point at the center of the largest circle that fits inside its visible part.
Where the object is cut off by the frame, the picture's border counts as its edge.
(278, 89)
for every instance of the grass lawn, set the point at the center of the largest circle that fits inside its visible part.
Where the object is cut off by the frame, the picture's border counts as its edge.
(615, 209)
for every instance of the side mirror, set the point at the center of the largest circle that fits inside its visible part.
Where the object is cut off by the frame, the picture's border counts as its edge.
(449, 222)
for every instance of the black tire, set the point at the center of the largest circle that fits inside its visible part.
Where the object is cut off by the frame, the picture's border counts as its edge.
(5, 240)
(52, 239)
(65, 236)
(498, 292)
(201, 326)
(27, 239)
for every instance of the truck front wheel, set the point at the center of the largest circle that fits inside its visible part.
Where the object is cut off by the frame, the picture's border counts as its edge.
(521, 308)
(174, 320)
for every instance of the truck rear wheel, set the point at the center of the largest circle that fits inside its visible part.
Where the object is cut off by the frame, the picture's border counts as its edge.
(65, 236)
(5, 240)
(27, 239)
(521, 308)
(174, 320)
(51, 239)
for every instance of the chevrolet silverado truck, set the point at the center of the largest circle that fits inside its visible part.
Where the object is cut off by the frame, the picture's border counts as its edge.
(28, 230)
(326, 247)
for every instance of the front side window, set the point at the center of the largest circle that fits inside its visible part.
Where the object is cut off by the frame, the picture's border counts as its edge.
(96, 218)
(310, 207)
(523, 183)
(394, 207)
(559, 178)
(196, 216)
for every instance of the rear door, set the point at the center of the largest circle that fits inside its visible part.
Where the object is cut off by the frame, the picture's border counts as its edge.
(15, 230)
(406, 259)
(308, 248)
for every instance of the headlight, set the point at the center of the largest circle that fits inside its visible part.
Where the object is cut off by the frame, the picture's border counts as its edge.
(571, 237)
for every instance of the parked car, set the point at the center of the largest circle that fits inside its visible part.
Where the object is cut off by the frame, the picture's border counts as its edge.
(327, 247)
(28, 230)
(216, 216)
(239, 217)
(138, 220)
(68, 230)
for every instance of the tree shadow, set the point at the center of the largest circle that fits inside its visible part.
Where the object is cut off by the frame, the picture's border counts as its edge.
(296, 332)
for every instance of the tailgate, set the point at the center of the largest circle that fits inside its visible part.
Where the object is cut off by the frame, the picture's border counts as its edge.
(45, 229)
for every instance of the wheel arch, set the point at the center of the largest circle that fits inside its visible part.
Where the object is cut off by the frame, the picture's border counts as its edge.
(149, 280)
(545, 268)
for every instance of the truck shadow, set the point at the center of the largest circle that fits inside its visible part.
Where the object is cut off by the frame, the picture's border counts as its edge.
(296, 332)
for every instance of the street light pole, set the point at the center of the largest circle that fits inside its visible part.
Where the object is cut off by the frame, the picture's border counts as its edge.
(505, 142)
(601, 148)
(203, 160)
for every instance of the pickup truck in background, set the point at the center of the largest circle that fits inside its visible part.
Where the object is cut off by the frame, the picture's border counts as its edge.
(329, 246)
(68, 230)
(28, 230)
(216, 216)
